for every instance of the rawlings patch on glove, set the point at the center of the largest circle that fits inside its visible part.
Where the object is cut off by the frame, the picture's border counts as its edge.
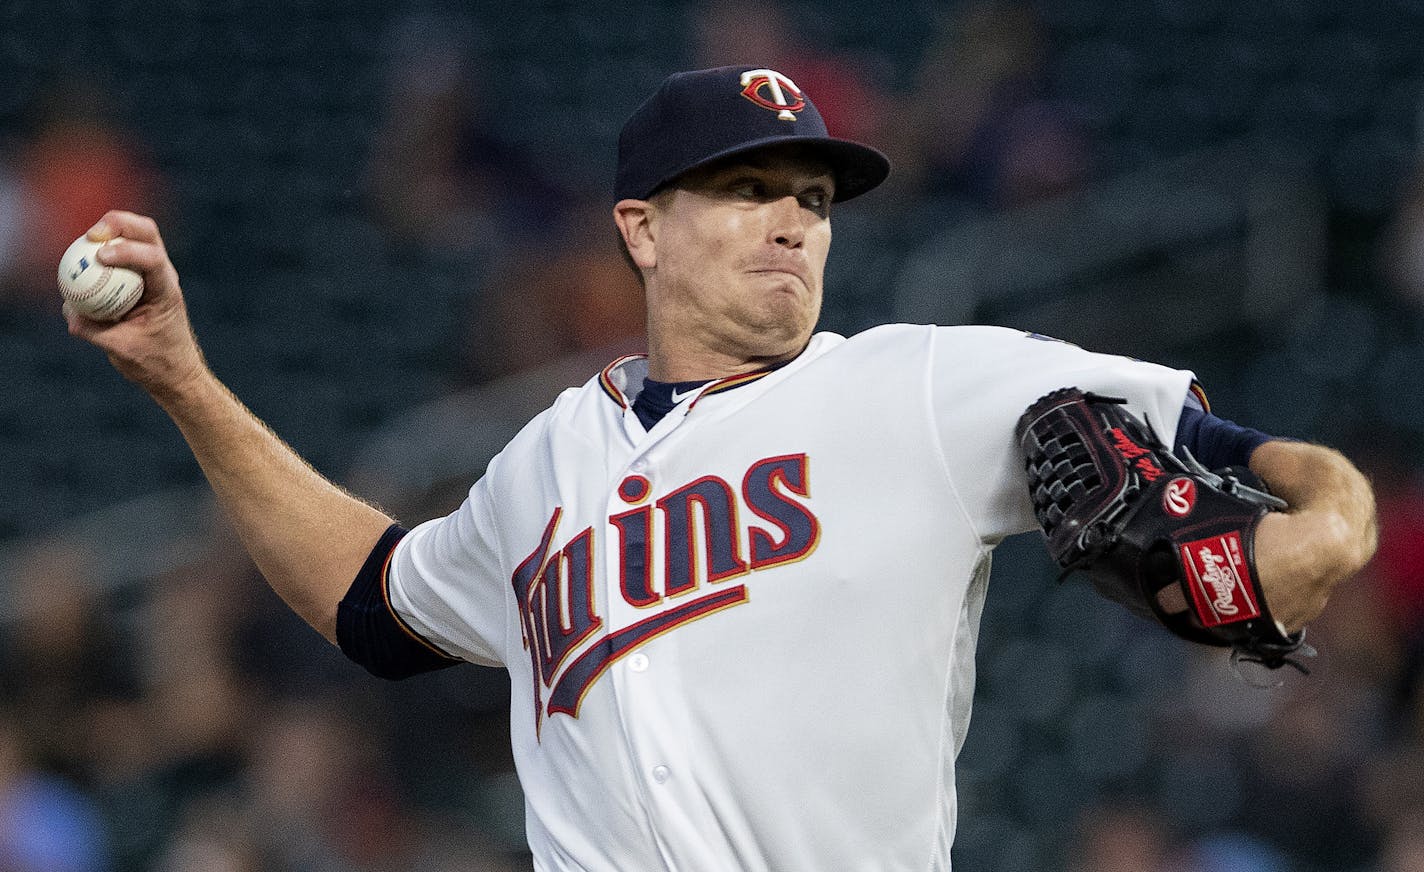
(1117, 504)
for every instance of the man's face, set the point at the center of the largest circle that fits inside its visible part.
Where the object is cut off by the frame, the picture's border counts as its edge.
(741, 252)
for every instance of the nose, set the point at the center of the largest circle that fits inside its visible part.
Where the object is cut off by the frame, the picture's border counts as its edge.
(784, 224)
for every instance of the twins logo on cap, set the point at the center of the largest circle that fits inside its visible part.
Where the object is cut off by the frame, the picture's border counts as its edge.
(779, 87)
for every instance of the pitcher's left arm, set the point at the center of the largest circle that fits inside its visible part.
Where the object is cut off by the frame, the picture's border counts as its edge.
(1326, 536)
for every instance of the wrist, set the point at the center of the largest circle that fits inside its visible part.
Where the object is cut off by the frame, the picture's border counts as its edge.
(179, 392)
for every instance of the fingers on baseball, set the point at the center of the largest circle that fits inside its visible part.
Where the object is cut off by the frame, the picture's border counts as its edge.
(130, 225)
(148, 258)
(142, 257)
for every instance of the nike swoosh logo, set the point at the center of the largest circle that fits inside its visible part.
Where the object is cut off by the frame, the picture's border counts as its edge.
(679, 397)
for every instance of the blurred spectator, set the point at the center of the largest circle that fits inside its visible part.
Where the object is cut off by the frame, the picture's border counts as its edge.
(1395, 581)
(439, 179)
(1364, 634)
(11, 221)
(1398, 567)
(60, 653)
(1391, 792)
(317, 780)
(1403, 846)
(549, 304)
(46, 825)
(979, 126)
(735, 32)
(138, 791)
(184, 739)
(1120, 837)
(216, 836)
(1304, 766)
(201, 705)
(1401, 247)
(1230, 852)
(73, 163)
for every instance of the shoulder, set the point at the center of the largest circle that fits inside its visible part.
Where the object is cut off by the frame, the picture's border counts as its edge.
(977, 348)
(964, 344)
(904, 349)
(989, 348)
(574, 409)
(585, 409)
(977, 366)
(1001, 342)
(892, 341)
(961, 337)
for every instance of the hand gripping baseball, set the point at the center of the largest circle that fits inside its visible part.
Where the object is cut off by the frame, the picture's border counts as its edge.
(153, 345)
(1117, 504)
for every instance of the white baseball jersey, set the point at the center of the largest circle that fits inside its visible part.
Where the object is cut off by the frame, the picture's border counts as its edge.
(744, 640)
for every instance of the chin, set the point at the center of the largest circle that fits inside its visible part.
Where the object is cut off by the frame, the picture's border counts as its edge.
(781, 332)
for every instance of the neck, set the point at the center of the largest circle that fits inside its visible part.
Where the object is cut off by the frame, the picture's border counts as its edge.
(683, 365)
(683, 349)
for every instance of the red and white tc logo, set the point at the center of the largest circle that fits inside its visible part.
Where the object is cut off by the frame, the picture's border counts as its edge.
(781, 94)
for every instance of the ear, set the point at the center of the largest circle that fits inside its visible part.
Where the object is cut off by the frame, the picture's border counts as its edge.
(635, 221)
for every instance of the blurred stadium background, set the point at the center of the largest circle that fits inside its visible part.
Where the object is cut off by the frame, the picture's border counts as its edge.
(391, 222)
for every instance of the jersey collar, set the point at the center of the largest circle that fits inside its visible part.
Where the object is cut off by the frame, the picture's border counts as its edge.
(622, 374)
(622, 379)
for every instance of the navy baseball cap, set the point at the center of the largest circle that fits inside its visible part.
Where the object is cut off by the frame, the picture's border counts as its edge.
(702, 116)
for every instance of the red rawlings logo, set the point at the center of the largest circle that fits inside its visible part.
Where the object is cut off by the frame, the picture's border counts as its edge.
(1219, 580)
(1179, 497)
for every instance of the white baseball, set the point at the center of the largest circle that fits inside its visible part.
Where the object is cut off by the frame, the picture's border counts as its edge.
(94, 289)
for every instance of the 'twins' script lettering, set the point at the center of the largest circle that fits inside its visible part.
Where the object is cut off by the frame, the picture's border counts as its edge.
(558, 608)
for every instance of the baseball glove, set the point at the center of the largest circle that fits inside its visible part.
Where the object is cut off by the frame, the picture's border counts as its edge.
(1117, 504)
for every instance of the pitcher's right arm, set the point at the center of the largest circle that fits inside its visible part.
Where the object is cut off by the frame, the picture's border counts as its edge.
(308, 536)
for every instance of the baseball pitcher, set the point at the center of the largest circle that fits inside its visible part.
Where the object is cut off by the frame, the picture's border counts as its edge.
(737, 581)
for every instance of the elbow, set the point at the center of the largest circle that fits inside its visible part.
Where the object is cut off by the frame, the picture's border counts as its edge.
(323, 620)
(1323, 486)
(367, 629)
(1349, 539)
(1349, 529)
(1357, 520)
(1362, 541)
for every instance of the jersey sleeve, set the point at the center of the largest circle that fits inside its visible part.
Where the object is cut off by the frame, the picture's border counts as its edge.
(982, 380)
(371, 633)
(446, 581)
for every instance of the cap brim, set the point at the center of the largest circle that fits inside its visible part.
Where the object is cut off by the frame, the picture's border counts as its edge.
(857, 168)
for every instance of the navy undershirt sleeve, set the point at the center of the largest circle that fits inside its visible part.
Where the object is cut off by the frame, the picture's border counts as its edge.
(1217, 442)
(370, 633)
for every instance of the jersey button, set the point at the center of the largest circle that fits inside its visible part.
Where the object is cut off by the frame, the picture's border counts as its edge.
(639, 466)
(661, 774)
(638, 662)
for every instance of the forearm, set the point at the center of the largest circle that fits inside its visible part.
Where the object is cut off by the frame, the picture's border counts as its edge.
(1327, 535)
(306, 535)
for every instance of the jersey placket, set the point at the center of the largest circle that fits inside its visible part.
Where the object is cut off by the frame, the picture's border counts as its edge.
(644, 681)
